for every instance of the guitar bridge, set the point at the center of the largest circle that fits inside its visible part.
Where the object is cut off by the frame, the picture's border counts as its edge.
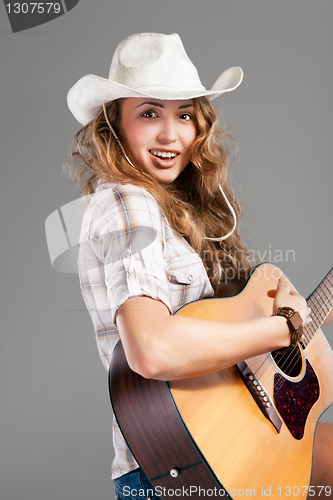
(259, 395)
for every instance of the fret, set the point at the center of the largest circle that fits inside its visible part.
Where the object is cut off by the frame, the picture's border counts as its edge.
(330, 282)
(321, 304)
(316, 321)
(310, 331)
(325, 293)
(329, 295)
(313, 306)
(328, 278)
(307, 336)
(313, 327)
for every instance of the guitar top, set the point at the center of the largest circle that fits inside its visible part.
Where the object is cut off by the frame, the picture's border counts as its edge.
(248, 428)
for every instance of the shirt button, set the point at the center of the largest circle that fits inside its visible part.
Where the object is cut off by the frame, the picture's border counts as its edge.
(127, 254)
(190, 278)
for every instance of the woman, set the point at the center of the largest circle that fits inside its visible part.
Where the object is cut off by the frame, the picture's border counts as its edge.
(160, 229)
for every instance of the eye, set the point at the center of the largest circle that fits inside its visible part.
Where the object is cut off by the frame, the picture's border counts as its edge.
(149, 113)
(186, 117)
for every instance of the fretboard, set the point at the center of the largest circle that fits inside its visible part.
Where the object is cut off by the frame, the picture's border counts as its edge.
(321, 303)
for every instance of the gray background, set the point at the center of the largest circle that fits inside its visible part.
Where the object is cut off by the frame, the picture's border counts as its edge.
(55, 411)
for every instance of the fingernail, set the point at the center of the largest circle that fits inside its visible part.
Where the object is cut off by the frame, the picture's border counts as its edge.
(283, 279)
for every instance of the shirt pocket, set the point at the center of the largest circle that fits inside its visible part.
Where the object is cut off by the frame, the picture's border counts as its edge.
(185, 269)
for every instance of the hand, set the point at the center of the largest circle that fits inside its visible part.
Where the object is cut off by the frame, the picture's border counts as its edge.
(286, 296)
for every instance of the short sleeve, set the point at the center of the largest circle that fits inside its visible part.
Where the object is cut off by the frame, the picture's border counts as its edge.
(127, 237)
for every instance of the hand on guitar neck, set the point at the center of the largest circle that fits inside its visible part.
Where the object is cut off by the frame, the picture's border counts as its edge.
(286, 295)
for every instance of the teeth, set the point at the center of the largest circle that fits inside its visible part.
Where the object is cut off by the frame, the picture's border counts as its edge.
(162, 154)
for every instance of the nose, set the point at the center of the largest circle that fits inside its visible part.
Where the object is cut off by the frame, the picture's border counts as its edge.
(168, 131)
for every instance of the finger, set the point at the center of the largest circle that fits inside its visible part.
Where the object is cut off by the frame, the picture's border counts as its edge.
(292, 289)
(283, 280)
(308, 313)
(308, 318)
(283, 284)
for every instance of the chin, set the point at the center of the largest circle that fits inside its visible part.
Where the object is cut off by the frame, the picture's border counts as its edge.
(168, 176)
(166, 179)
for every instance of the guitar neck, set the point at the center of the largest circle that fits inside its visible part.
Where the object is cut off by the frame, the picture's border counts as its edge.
(321, 303)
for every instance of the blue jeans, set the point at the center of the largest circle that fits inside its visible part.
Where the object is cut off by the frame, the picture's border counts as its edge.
(134, 486)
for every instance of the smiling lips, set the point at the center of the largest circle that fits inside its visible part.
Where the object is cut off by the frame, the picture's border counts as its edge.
(163, 154)
(164, 159)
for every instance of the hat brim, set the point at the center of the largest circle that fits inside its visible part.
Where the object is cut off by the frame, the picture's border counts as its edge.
(89, 94)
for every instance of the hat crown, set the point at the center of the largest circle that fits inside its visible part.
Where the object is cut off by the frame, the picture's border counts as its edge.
(146, 65)
(153, 60)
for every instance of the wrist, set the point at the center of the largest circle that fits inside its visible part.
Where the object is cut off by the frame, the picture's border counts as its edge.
(282, 332)
(294, 322)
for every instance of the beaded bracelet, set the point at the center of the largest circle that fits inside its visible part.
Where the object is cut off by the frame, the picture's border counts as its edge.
(294, 322)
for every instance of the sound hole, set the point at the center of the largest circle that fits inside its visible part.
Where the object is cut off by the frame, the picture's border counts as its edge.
(290, 361)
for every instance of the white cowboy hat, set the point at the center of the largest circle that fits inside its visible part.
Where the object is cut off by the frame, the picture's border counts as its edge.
(146, 65)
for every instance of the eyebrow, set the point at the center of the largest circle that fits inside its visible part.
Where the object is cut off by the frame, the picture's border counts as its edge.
(161, 105)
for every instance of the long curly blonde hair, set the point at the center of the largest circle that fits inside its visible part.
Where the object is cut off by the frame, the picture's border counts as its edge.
(193, 203)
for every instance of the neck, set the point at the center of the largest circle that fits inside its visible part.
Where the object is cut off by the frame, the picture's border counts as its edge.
(321, 303)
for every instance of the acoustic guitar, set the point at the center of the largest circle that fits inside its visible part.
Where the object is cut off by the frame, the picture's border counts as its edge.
(245, 431)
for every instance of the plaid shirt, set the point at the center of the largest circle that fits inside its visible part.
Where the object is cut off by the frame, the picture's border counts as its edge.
(128, 249)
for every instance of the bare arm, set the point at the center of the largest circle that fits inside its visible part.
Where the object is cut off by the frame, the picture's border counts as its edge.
(158, 345)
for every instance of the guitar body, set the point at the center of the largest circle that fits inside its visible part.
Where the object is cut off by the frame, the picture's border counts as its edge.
(240, 447)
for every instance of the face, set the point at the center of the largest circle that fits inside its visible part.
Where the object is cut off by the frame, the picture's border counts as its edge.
(157, 135)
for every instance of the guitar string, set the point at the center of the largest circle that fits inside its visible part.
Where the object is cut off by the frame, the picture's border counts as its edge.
(295, 359)
(290, 361)
(314, 304)
(308, 332)
(280, 385)
(284, 367)
(322, 289)
(293, 356)
(267, 363)
(312, 328)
